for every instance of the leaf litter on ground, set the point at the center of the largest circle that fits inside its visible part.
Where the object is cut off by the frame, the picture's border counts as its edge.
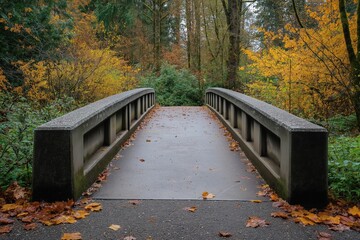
(338, 215)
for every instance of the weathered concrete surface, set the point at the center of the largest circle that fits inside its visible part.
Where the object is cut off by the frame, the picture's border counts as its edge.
(167, 219)
(179, 154)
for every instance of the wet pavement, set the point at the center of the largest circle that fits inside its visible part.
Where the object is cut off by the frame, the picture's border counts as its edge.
(179, 154)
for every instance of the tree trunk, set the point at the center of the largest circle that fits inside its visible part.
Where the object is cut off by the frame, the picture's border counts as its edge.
(354, 59)
(233, 18)
(177, 19)
(197, 36)
(188, 30)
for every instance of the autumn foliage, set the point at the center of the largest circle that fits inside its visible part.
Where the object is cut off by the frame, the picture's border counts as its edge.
(309, 74)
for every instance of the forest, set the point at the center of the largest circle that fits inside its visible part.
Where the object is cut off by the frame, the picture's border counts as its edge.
(299, 55)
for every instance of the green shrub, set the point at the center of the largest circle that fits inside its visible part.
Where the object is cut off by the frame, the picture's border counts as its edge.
(342, 124)
(18, 120)
(344, 167)
(175, 87)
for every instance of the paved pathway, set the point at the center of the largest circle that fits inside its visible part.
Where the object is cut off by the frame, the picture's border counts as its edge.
(179, 154)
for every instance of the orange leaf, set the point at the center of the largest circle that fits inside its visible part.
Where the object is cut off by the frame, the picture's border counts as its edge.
(30, 226)
(71, 236)
(274, 197)
(355, 211)
(191, 209)
(280, 215)
(207, 195)
(4, 220)
(5, 229)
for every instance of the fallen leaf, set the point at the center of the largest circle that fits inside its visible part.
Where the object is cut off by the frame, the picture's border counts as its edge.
(255, 222)
(207, 195)
(129, 238)
(5, 229)
(355, 211)
(191, 209)
(115, 227)
(10, 207)
(63, 219)
(339, 228)
(142, 160)
(134, 202)
(30, 226)
(323, 236)
(278, 204)
(261, 193)
(225, 234)
(255, 201)
(304, 221)
(23, 214)
(71, 236)
(282, 215)
(80, 214)
(148, 140)
(6, 220)
(15, 192)
(27, 219)
(94, 207)
(274, 197)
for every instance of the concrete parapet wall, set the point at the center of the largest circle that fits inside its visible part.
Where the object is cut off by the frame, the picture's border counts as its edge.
(71, 151)
(289, 152)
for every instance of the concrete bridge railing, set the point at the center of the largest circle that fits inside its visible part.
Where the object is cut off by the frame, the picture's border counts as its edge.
(289, 152)
(70, 151)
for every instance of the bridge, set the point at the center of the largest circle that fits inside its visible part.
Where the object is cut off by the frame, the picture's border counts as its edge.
(182, 152)
(162, 159)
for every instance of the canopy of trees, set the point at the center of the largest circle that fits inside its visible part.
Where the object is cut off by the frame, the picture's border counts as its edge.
(299, 55)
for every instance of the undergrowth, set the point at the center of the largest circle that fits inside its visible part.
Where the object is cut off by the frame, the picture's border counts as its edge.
(18, 119)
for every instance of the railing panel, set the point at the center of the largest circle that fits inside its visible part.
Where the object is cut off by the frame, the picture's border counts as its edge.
(70, 151)
(289, 152)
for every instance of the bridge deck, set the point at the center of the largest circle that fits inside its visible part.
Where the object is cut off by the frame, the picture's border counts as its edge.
(180, 153)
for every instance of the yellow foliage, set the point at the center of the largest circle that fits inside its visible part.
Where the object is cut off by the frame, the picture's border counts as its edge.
(88, 72)
(310, 71)
(3, 81)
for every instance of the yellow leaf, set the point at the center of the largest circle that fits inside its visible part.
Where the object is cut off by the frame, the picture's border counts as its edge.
(80, 214)
(355, 211)
(94, 207)
(63, 219)
(9, 207)
(256, 201)
(115, 227)
(304, 221)
(71, 236)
